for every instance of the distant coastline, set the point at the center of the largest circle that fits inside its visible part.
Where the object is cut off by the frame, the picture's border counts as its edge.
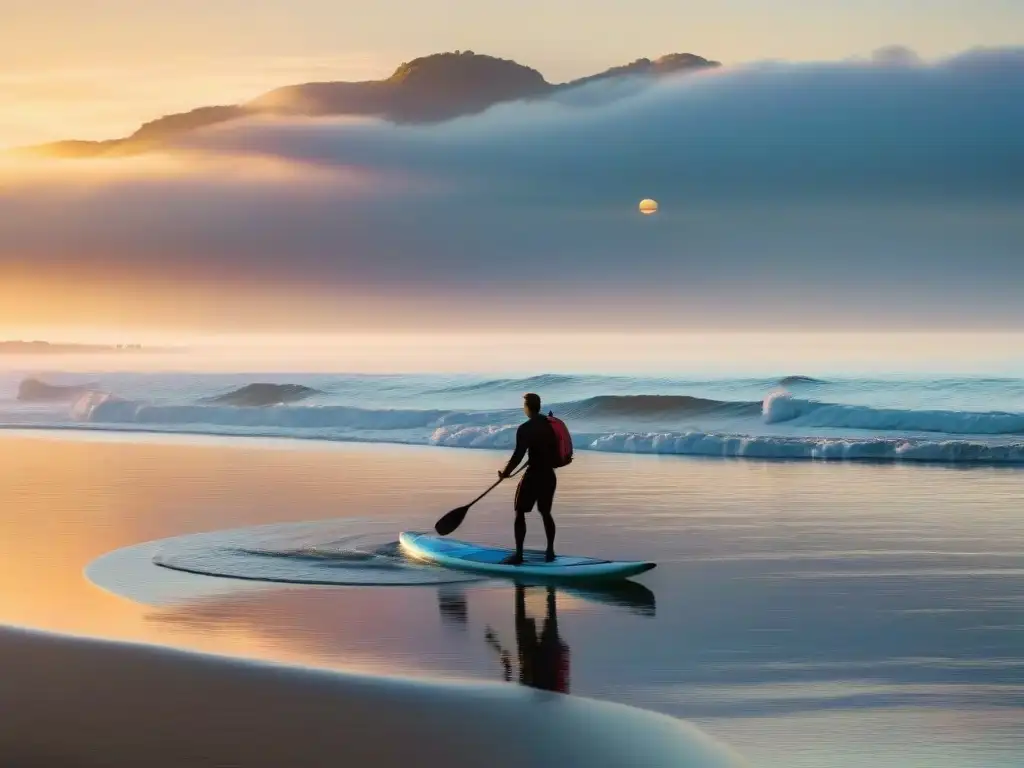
(49, 348)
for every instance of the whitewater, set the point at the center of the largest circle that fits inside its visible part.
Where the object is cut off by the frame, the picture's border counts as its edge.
(958, 420)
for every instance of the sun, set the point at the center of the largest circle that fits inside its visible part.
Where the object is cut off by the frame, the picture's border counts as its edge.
(648, 207)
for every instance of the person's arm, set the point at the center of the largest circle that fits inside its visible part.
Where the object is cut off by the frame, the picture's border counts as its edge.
(519, 453)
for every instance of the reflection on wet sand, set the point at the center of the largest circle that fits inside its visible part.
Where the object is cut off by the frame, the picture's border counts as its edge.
(544, 659)
(453, 607)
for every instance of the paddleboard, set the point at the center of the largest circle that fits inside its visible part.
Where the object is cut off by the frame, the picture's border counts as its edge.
(461, 555)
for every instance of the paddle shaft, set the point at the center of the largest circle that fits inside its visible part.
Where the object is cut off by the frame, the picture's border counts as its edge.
(453, 519)
(474, 501)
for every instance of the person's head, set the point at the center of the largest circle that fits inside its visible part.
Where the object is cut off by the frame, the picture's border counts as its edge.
(531, 404)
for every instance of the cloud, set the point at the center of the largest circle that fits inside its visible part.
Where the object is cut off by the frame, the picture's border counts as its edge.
(870, 193)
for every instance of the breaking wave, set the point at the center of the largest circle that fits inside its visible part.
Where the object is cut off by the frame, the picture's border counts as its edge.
(698, 443)
(782, 407)
(728, 418)
(105, 408)
(777, 408)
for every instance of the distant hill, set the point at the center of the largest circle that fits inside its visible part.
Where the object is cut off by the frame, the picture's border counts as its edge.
(432, 88)
(666, 65)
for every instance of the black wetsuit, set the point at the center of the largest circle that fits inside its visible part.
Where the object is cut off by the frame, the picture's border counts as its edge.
(536, 440)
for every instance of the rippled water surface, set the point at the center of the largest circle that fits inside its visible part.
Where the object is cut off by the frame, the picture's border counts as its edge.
(807, 614)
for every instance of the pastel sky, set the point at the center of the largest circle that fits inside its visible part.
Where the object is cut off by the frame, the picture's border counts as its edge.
(831, 188)
(97, 68)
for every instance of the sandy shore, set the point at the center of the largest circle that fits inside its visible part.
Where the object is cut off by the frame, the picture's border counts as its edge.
(75, 702)
(71, 701)
(804, 614)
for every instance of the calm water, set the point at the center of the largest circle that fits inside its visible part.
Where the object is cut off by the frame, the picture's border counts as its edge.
(808, 614)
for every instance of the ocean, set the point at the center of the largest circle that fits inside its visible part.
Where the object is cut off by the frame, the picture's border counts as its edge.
(839, 549)
(948, 419)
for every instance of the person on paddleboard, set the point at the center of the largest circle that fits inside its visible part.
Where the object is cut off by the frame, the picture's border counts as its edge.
(546, 444)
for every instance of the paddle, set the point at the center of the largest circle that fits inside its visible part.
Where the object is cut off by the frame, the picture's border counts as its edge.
(453, 519)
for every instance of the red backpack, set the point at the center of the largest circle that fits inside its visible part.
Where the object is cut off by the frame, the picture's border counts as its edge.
(563, 439)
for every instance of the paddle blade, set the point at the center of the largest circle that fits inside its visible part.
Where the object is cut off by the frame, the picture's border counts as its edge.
(451, 521)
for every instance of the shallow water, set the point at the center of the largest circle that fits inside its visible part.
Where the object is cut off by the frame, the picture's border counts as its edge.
(806, 614)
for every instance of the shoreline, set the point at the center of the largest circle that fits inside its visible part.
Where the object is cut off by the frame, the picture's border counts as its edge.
(125, 704)
(186, 437)
(833, 446)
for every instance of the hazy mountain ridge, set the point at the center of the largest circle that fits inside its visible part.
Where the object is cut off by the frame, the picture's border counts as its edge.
(431, 88)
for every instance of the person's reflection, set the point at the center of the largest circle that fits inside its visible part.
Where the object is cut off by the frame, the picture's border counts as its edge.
(544, 658)
(453, 607)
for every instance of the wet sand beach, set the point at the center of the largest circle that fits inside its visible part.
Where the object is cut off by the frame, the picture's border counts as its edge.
(804, 613)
